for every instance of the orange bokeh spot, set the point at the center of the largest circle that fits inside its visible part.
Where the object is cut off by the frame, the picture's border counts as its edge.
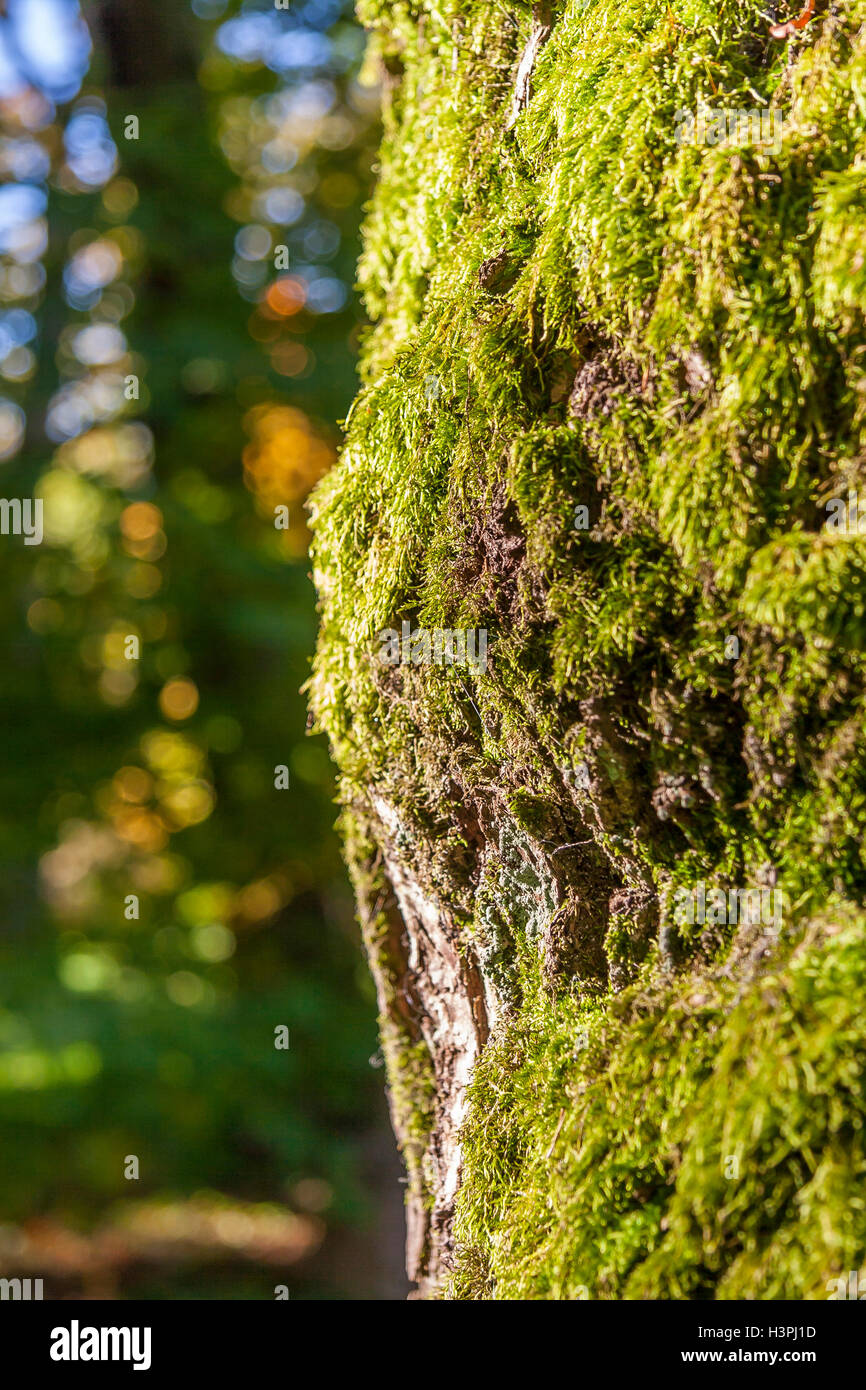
(178, 698)
(140, 521)
(140, 828)
(290, 358)
(258, 901)
(286, 296)
(285, 457)
(133, 784)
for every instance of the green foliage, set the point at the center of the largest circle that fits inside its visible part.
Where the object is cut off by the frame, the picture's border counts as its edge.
(154, 1035)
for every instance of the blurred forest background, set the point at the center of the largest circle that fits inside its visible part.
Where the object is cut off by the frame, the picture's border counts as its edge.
(168, 379)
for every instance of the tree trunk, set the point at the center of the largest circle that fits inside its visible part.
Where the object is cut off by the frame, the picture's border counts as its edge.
(142, 42)
(609, 866)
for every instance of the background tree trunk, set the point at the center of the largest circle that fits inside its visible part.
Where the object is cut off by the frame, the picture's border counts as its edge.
(616, 370)
(142, 42)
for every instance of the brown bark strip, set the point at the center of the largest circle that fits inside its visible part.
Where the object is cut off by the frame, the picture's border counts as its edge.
(445, 994)
(541, 26)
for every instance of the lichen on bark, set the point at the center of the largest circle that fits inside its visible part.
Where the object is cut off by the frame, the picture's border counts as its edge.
(612, 379)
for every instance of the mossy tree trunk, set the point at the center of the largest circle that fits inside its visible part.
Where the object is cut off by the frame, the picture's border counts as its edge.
(611, 878)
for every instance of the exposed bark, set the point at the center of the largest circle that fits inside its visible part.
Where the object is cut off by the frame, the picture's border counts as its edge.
(538, 38)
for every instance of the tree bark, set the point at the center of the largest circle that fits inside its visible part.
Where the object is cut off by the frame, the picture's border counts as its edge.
(611, 381)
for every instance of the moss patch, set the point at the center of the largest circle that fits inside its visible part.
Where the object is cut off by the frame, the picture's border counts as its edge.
(612, 380)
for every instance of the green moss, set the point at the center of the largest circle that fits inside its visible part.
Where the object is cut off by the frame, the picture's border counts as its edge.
(705, 1140)
(579, 312)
